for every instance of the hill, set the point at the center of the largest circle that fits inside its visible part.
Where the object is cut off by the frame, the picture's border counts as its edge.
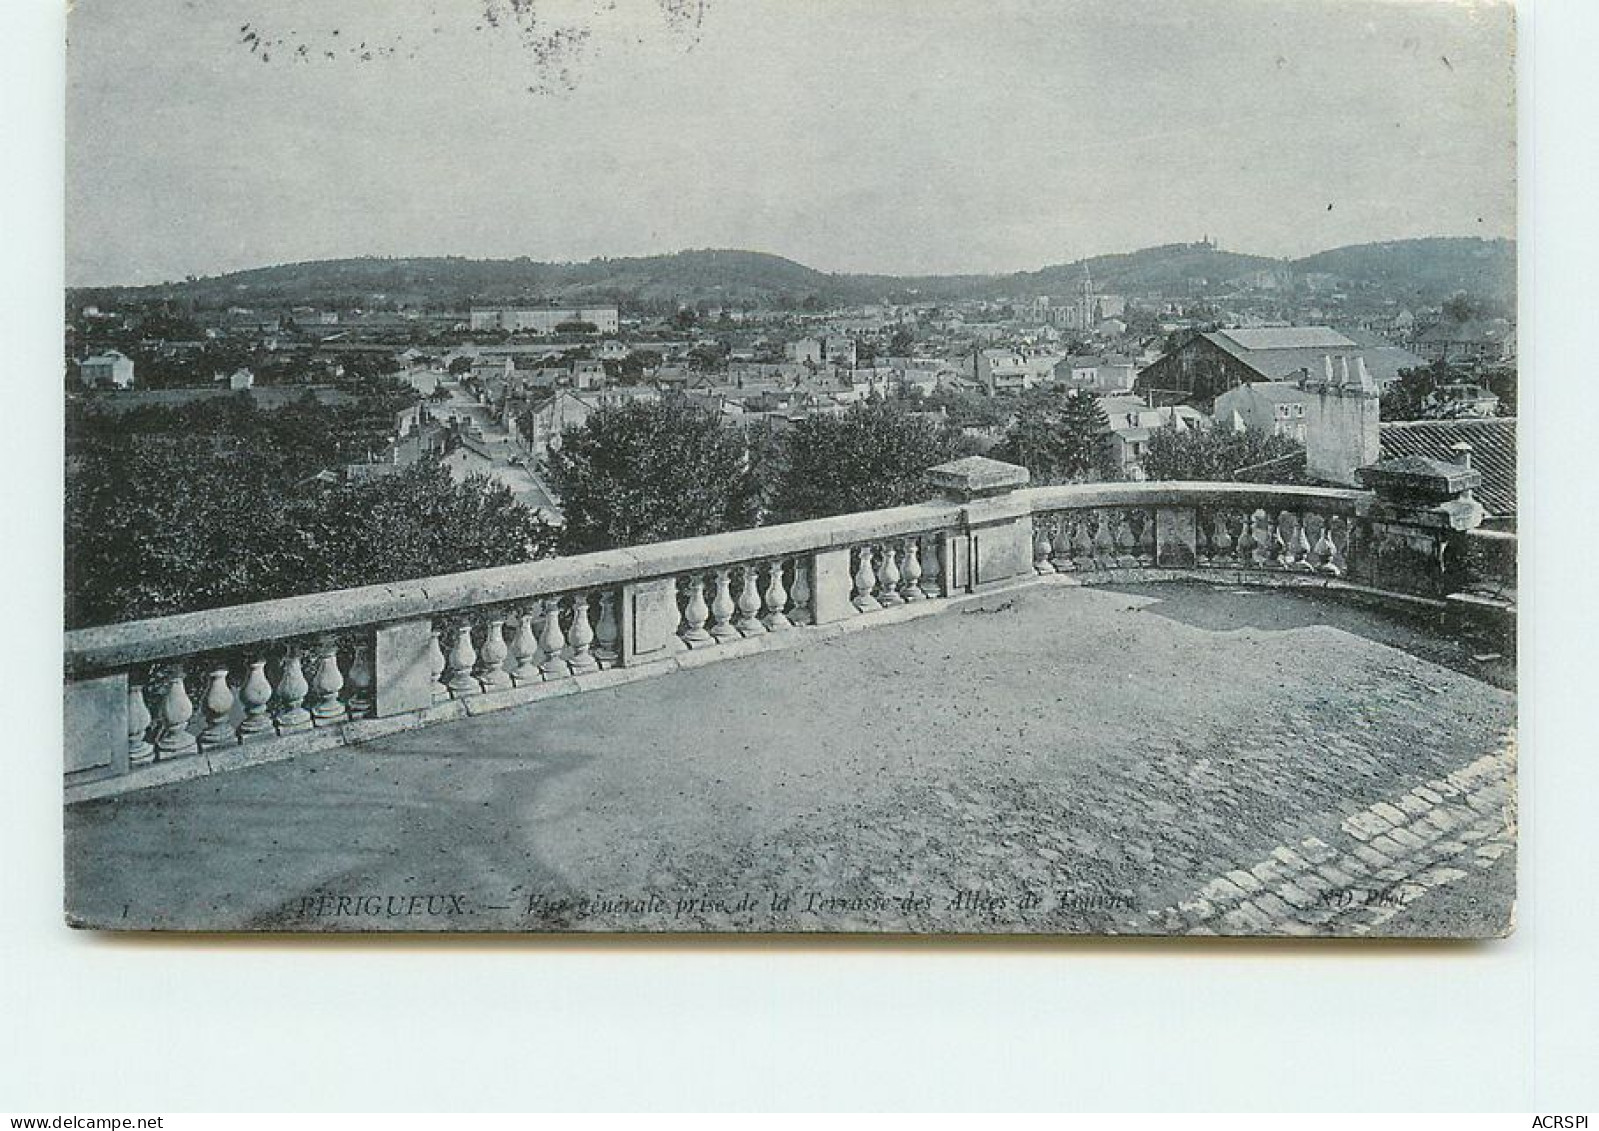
(1425, 272)
(1173, 269)
(1416, 272)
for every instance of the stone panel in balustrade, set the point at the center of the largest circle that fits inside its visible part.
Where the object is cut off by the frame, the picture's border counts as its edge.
(1176, 537)
(402, 675)
(649, 621)
(96, 716)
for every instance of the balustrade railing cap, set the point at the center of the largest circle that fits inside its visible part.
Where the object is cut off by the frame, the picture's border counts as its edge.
(1418, 477)
(976, 476)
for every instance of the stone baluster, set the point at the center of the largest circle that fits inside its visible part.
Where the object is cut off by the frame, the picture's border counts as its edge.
(694, 614)
(865, 581)
(1221, 539)
(911, 588)
(748, 619)
(326, 685)
(581, 637)
(525, 654)
(722, 607)
(292, 716)
(800, 593)
(888, 579)
(608, 633)
(175, 712)
(1317, 552)
(1060, 549)
(775, 598)
(491, 675)
(216, 705)
(1244, 549)
(1104, 547)
(463, 660)
(1145, 548)
(1126, 542)
(1295, 548)
(552, 642)
(359, 692)
(140, 749)
(1262, 541)
(1083, 544)
(436, 666)
(932, 567)
(1329, 558)
(255, 693)
(1041, 545)
(1279, 543)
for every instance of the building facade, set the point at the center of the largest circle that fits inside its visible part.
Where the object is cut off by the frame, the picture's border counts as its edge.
(112, 369)
(543, 320)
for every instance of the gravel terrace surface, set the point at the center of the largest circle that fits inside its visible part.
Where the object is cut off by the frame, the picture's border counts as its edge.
(1052, 760)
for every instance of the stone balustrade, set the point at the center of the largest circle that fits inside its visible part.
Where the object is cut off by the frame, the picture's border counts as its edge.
(159, 700)
(1206, 527)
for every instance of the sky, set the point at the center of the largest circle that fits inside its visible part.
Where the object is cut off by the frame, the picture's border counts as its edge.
(934, 136)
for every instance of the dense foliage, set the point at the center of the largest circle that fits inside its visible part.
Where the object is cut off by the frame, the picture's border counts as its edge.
(1215, 454)
(966, 409)
(309, 433)
(1058, 439)
(1416, 394)
(218, 503)
(652, 471)
(870, 456)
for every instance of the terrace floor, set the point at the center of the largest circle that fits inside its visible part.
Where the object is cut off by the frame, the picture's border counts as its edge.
(1159, 759)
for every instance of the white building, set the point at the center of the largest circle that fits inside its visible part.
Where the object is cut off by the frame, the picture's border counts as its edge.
(544, 319)
(1275, 407)
(804, 350)
(112, 368)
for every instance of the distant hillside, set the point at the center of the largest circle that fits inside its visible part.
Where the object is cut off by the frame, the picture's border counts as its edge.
(1427, 271)
(455, 282)
(1413, 271)
(1169, 269)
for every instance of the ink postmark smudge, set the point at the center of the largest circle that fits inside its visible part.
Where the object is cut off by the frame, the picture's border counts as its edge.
(555, 37)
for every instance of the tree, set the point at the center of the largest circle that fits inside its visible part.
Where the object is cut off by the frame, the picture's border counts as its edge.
(632, 368)
(460, 366)
(1408, 397)
(160, 528)
(1058, 439)
(966, 410)
(1212, 455)
(652, 471)
(1462, 307)
(868, 457)
(901, 342)
(1086, 424)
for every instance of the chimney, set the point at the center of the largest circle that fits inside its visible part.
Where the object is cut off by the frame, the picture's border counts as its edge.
(1342, 428)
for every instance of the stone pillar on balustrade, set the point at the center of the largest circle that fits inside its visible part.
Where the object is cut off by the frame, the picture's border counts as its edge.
(1414, 535)
(995, 541)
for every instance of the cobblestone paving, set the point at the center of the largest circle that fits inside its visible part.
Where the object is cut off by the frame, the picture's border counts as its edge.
(1389, 856)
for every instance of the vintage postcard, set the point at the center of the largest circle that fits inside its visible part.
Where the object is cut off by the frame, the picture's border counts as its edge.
(697, 466)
